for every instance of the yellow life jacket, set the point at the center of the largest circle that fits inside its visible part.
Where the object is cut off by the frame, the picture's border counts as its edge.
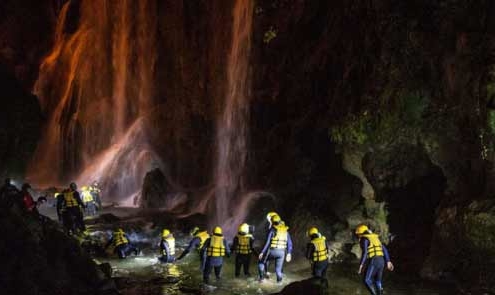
(87, 197)
(203, 236)
(321, 252)
(119, 238)
(279, 241)
(70, 200)
(375, 246)
(216, 247)
(244, 244)
(171, 245)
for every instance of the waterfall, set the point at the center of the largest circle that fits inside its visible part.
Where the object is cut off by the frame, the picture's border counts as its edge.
(232, 125)
(96, 87)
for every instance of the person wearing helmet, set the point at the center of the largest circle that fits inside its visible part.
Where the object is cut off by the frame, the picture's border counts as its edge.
(121, 245)
(8, 194)
(374, 256)
(167, 247)
(242, 245)
(317, 253)
(88, 201)
(95, 191)
(213, 250)
(73, 217)
(196, 243)
(269, 217)
(278, 246)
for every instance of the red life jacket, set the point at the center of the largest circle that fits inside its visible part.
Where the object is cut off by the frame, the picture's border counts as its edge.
(29, 203)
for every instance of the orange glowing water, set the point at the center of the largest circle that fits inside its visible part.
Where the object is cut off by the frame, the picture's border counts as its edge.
(95, 87)
(232, 124)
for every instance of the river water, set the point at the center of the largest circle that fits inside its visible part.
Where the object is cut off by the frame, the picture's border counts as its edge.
(144, 274)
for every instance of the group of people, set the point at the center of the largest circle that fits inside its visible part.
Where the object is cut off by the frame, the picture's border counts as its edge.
(69, 203)
(72, 206)
(11, 196)
(212, 248)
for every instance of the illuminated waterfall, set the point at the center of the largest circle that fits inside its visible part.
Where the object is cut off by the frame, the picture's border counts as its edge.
(96, 87)
(233, 123)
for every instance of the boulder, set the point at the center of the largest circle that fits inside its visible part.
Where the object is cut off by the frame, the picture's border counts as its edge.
(313, 286)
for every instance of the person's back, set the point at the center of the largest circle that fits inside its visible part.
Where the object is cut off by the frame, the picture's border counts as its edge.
(8, 194)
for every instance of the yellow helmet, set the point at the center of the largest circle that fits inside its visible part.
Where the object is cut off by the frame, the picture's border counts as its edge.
(312, 231)
(194, 231)
(244, 228)
(120, 230)
(165, 233)
(270, 215)
(217, 230)
(84, 188)
(361, 229)
(276, 219)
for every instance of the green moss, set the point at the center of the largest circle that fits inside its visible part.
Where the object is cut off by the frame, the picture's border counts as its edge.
(400, 122)
(480, 232)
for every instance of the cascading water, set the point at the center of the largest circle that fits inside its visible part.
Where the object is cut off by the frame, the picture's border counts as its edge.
(232, 124)
(96, 87)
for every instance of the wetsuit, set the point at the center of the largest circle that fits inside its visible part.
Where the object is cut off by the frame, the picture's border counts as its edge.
(317, 253)
(243, 247)
(374, 255)
(122, 245)
(278, 243)
(167, 247)
(213, 251)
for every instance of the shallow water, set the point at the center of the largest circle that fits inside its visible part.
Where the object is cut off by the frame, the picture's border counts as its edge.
(144, 274)
(148, 276)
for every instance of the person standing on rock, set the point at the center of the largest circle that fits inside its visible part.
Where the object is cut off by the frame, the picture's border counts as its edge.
(278, 244)
(167, 247)
(73, 217)
(317, 253)
(88, 201)
(374, 256)
(197, 242)
(213, 250)
(8, 194)
(243, 247)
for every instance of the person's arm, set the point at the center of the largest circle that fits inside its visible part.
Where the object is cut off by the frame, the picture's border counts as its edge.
(251, 245)
(390, 266)
(192, 244)
(109, 243)
(364, 253)
(289, 244)
(267, 244)
(234, 244)
(78, 199)
(309, 250)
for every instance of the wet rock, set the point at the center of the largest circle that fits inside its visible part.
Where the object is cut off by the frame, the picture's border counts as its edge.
(106, 268)
(154, 190)
(38, 258)
(313, 286)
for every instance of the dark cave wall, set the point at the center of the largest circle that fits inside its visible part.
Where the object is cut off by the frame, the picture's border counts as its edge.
(404, 88)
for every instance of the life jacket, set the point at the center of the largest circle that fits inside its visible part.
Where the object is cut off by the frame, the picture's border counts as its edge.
(244, 244)
(321, 252)
(375, 246)
(203, 236)
(87, 197)
(119, 238)
(28, 201)
(216, 247)
(170, 240)
(70, 200)
(279, 240)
